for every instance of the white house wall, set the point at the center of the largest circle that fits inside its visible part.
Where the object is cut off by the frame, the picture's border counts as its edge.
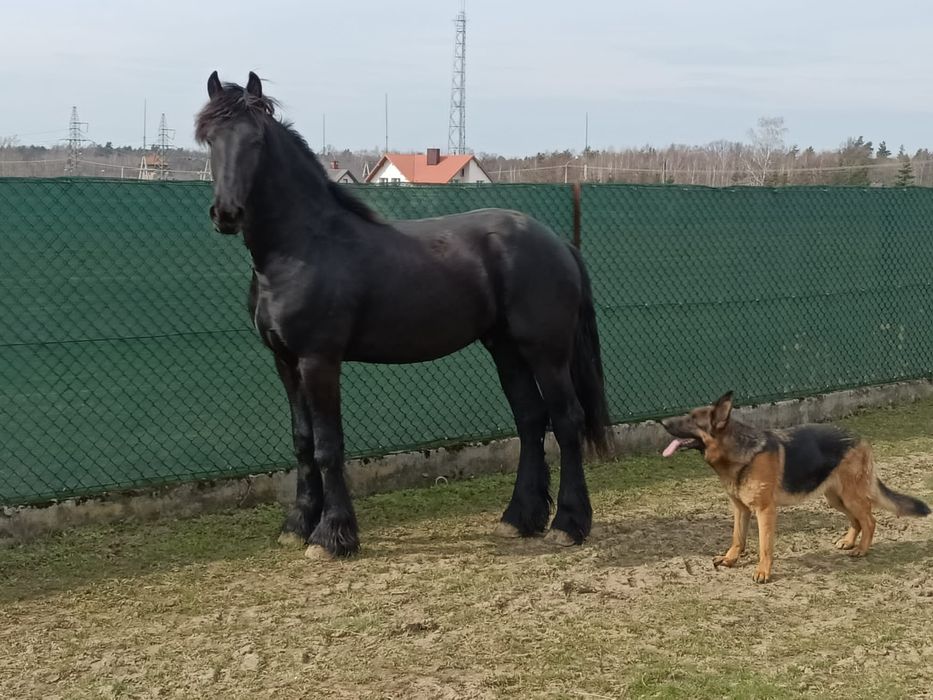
(471, 173)
(389, 172)
(474, 173)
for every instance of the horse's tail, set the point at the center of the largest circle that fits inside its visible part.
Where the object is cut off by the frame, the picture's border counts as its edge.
(586, 368)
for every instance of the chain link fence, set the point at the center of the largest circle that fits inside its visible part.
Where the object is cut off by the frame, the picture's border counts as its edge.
(127, 358)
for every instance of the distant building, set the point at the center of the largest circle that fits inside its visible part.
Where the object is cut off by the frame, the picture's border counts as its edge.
(152, 167)
(429, 168)
(338, 174)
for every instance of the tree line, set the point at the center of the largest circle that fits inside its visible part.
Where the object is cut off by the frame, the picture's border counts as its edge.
(764, 159)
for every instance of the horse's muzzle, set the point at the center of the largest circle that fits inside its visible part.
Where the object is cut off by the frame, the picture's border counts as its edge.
(226, 221)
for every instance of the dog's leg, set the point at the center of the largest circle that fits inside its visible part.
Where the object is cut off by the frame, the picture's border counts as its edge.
(868, 534)
(856, 483)
(767, 519)
(741, 516)
(847, 541)
(860, 506)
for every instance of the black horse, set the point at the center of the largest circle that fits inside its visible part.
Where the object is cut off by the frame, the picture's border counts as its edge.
(332, 282)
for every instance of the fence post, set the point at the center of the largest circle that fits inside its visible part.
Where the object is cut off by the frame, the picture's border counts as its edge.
(577, 195)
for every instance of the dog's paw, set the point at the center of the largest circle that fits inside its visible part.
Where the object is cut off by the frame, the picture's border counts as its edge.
(844, 543)
(724, 560)
(856, 553)
(761, 575)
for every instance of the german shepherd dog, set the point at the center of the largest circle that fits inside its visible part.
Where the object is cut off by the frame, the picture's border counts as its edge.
(762, 469)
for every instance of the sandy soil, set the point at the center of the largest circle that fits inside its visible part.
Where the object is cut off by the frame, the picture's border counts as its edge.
(437, 608)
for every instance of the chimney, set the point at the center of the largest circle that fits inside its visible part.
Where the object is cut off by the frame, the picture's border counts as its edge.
(334, 165)
(434, 156)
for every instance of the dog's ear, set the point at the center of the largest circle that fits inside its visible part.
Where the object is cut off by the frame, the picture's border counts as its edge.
(722, 410)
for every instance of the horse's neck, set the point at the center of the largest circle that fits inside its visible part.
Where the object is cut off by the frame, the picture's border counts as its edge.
(288, 209)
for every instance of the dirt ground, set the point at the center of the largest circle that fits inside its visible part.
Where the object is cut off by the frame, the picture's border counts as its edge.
(434, 607)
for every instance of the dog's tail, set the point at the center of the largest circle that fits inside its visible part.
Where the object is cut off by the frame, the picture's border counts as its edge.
(899, 503)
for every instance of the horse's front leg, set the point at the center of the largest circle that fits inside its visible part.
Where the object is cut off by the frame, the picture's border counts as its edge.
(337, 530)
(305, 514)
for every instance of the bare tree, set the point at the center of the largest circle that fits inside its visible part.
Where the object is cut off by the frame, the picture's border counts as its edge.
(767, 145)
(723, 155)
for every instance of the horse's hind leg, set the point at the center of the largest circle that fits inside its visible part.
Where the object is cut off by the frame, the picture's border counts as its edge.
(337, 531)
(530, 506)
(574, 516)
(309, 497)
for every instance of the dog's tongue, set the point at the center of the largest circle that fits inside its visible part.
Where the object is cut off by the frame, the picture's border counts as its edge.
(672, 448)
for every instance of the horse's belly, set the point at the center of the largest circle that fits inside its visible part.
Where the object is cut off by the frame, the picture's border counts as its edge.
(401, 355)
(417, 330)
(407, 345)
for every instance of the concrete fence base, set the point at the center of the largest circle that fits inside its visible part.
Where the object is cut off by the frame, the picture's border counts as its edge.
(410, 469)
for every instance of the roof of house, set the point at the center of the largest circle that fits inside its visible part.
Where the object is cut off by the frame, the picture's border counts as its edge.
(415, 168)
(154, 160)
(339, 174)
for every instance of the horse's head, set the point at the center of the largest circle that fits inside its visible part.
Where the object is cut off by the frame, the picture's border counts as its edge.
(232, 124)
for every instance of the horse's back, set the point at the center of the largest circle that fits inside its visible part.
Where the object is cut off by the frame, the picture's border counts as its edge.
(503, 240)
(533, 276)
(478, 222)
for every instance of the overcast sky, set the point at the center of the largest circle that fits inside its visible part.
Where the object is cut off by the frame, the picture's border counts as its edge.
(648, 72)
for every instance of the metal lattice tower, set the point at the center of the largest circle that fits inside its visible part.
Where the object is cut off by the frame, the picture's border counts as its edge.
(456, 131)
(165, 136)
(76, 139)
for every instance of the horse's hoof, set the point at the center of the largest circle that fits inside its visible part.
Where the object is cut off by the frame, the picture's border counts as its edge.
(317, 553)
(559, 537)
(506, 531)
(290, 540)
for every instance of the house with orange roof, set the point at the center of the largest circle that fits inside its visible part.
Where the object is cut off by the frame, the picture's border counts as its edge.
(430, 168)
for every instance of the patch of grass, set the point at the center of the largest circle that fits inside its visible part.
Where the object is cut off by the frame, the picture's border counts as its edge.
(667, 681)
(490, 494)
(896, 424)
(84, 555)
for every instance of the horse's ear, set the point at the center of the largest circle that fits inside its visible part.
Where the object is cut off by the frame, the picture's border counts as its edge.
(254, 86)
(214, 87)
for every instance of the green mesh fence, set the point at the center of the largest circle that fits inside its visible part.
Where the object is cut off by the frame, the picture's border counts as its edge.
(127, 358)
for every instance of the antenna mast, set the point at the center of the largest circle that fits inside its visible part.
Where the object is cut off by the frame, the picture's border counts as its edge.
(456, 130)
(165, 136)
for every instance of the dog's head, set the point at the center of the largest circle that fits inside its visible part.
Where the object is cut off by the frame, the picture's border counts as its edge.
(700, 428)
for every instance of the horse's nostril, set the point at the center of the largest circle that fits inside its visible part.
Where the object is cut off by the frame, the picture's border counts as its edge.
(226, 214)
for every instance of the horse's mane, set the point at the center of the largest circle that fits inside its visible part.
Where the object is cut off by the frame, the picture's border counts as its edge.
(236, 100)
(352, 203)
(343, 196)
(233, 101)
